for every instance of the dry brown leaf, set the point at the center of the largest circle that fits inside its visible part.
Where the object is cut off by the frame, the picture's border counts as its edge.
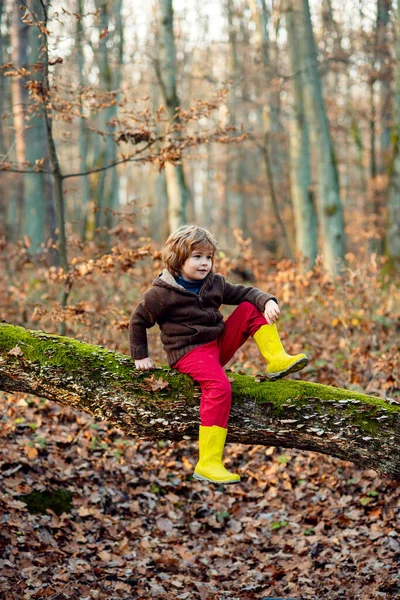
(164, 524)
(104, 555)
(16, 351)
(156, 384)
(31, 452)
(186, 464)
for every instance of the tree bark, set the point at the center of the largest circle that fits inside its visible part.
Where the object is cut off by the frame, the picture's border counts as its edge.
(19, 95)
(385, 76)
(110, 66)
(35, 142)
(83, 135)
(305, 213)
(235, 168)
(393, 225)
(270, 118)
(379, 121)
(178, 193)
(59, 199)
(331, 212)
(163, 404)
(8, 213)
(2, 82)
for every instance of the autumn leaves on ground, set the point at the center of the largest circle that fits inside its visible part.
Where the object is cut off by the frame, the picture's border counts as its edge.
(88, 512)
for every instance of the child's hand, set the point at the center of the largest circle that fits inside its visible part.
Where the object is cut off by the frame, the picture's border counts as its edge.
(144, 364)
(271, 312)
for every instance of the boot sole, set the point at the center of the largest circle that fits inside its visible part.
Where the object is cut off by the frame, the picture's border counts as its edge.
(201, 478)
(300, 364)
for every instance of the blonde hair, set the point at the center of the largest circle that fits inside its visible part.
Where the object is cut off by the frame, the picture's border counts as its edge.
(181, 244)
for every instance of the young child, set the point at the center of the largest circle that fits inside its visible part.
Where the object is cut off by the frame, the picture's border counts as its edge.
(185, 300)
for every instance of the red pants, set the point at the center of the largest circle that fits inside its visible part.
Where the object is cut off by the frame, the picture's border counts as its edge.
(204, 363)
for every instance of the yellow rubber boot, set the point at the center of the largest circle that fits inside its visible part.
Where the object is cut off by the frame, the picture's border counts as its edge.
(211, 446)
(279, 362)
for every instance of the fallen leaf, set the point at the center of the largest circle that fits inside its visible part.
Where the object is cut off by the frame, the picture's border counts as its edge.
(16, 351)
(164, 524)
(156, 384)
(104, 555)
(31, 452)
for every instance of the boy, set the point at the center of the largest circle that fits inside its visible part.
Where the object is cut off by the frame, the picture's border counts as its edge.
(185, 301)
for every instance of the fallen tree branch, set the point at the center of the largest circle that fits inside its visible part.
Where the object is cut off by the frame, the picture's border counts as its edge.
(163, 404)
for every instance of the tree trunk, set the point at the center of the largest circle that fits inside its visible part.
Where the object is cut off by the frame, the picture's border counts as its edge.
(163, 404)
(2, 79)
(380, 117)
(393, 225)
(178, 193)
(305, 214)
(35, 141)
(59, 200)
(270, 118)
(7, 216)
(19, 95)
(117, 60)
(384, 65)
(110, 79)
(234, 201)
(83, 136)
(330, 207)
(159, 225)
(274, 199)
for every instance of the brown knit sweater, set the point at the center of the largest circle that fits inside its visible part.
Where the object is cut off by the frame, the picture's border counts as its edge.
(186, 319)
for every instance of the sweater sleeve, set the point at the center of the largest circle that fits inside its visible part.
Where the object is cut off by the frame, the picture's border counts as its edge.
(236, 293)
(145, 315)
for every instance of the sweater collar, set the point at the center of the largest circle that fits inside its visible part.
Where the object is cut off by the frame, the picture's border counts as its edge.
(169, 279)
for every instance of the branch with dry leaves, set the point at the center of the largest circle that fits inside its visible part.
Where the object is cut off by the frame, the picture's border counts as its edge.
(165, 404)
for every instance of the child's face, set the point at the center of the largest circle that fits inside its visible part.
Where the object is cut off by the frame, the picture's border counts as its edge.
(197, 265)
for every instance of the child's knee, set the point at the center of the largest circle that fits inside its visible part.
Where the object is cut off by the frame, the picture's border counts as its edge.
(222, 389)
(248, 308)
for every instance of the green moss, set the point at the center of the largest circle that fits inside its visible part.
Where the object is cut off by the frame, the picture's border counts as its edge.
(44, 348)
(286, 391)
(360, 410)
(58, 501)
(70, 355)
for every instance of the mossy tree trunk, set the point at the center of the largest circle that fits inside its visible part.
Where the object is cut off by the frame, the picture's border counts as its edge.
(163, 404)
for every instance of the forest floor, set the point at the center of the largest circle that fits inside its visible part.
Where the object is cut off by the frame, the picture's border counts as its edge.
(121, 518)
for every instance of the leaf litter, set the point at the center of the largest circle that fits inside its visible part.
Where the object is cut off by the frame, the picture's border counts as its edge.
(299, 525)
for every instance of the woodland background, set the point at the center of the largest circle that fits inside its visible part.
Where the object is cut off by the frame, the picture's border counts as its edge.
(120, 121)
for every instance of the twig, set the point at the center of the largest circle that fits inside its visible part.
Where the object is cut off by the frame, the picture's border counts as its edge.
(78, 435)
(58, 593)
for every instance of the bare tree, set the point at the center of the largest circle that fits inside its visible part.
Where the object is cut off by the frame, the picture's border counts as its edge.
(234, 201)
(379, 113)
(110, 65)
(330, 208)
(271, 122)
(35, 130)
(178, 193)
(83, 134)
(393, 227)
(19, 95)
(305, 213)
